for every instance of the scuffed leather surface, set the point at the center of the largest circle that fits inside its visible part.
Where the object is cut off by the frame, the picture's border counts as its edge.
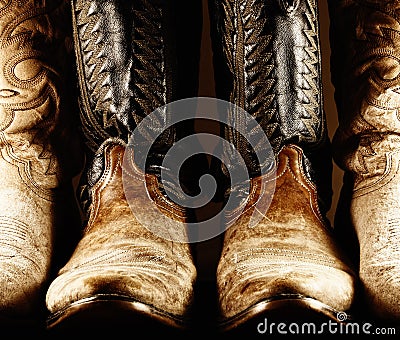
(118, 256)
(267, 60)
(365, 40)
(38, 154)
(290, 251)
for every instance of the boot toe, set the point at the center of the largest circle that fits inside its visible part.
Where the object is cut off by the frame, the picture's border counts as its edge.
(331, 288)
(24, 266)
(22, 286)
(155, 283)
(382, 290)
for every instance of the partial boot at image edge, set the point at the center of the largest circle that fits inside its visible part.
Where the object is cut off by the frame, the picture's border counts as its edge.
(40, 155)
(365, 36)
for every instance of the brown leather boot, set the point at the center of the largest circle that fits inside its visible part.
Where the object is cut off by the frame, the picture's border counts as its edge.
(288, 266)
(365, 36)
(121, 272)
(39, 153)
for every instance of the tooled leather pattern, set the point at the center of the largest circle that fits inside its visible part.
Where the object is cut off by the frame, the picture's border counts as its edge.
(272, 51)
(123, 73)
(369, 126)
(29, 89)
(121, 65)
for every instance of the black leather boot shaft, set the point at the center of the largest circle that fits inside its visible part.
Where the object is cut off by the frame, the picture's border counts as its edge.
(268, 62)
(132, 58)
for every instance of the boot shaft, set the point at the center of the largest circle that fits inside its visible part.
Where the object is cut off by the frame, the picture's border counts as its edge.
(133, 59)
(365, 38)
(272, 53)
(268, 62)
(37, 118)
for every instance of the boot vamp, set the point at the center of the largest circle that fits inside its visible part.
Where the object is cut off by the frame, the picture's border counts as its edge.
(277, 258)
(124, 260)
(119, 257)
(291, 251)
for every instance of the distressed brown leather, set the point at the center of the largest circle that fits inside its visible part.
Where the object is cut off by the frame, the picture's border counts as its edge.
(119, 258)
(365, 40)
(35, 133)
(291, 252)
(126, 67)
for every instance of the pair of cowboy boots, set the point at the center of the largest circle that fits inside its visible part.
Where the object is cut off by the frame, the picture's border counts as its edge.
(127, 62)
(133, 57)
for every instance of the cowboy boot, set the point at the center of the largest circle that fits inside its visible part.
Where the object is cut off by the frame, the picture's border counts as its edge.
(365, 41)
(288, 265)
(39, 154)
(122, 271)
